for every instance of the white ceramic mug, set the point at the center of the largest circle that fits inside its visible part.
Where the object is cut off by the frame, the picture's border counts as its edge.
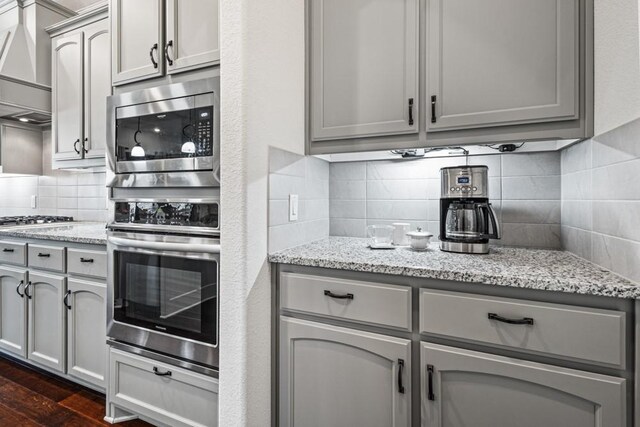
(400, 230)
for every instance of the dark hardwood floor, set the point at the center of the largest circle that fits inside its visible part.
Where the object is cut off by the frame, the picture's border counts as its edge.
(32, 398)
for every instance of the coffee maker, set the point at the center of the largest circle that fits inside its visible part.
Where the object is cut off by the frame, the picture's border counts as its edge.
(467, 219)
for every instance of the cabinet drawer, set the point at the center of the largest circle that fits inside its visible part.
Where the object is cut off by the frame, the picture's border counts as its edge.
(13, 253)
(87, 263)
(162, 392)
(367, 302)
(573, 332)
(47, 257)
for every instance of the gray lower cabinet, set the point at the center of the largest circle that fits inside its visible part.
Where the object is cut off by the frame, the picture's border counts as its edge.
(86, 331)
(333, 377)
(46, 324)
(469, 388)
(13, 310)
(363, 68)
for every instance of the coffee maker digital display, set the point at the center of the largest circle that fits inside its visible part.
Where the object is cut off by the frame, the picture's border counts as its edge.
(467, 219)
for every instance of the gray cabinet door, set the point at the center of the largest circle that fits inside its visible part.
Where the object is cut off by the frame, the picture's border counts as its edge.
(46, 325)
(137, 40)
(13, 311)
(470, 388)
(192, 34)
(363, 68)
(87, 331)
(495, 62)
(97, 86)
(335, 377)
(67, 97)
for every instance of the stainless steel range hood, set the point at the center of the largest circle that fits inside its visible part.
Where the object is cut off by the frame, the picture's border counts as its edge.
(25, 58)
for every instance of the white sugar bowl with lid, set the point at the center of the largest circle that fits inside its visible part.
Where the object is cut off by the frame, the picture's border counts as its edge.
(419, 239)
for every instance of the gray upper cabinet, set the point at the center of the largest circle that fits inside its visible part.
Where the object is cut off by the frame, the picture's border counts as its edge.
(67, 96)
(13, 311)
(496, 63)
(46, 325)
(81, 82)
(86, 331)
(363, 68)
(154, 37)
(137, 40)
(192, 45)
(468, 388)
(335, 377)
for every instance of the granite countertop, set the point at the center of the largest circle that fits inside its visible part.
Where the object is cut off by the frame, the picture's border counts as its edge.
(77, 232)
(515, 267)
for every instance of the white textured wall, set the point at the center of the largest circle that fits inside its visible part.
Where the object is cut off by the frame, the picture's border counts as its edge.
(262, 86)
(617, 63)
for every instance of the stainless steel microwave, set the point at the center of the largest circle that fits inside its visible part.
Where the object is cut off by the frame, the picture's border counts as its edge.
(166, 136)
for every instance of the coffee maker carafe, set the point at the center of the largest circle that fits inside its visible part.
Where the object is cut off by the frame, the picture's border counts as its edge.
(467, 219)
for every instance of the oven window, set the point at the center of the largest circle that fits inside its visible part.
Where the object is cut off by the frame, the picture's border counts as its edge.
(177, 296)
(170, 135)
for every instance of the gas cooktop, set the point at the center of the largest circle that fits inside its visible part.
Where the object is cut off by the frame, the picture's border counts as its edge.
(33, 219)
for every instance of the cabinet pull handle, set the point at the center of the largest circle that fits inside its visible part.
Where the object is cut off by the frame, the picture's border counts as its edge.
(7, 250)
(84, 143)
(41, 255)
(26, 288)
(18, 289)
(523, 321)
(410, 111)
(75, 146)
(89, 260)
(430, 394)
(337, 296)
(153, 61)
(161, 374)
(433, 109)
(400, 375)
(166, 52)
(65, 300)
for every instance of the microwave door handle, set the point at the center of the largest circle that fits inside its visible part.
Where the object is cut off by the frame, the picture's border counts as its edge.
(164, 246)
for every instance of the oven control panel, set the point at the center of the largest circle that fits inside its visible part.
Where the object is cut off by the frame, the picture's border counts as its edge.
(168, 213)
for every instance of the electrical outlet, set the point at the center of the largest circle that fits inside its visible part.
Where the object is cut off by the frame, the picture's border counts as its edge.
(293, 207)
(34, 201)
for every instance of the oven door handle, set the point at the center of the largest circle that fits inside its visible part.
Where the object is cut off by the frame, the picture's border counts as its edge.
(164, 246)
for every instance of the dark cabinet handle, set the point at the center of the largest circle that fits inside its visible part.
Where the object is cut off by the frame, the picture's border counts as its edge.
(161, 374)
(410, 111)
(523, 321)
(153, 61)
(430, 394)
(166, 52)
(7, 250)
(400, 375)
(84, 143)
(27, 288)
(88, 260)
(65, 301)
(18, 289)
(75, 146)
(337, 296)
(41, 255)
(433, 109)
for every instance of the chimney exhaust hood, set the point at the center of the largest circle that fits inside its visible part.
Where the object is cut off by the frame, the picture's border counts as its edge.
(25, 58)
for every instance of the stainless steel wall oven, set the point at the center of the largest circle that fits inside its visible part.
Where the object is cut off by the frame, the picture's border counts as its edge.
(164, 286)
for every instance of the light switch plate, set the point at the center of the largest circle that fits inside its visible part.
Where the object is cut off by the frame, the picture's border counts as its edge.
(34, 201)
(293, 207)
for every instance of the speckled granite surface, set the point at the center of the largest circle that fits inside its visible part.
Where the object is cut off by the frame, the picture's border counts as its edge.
(78, 232)
(524, 268)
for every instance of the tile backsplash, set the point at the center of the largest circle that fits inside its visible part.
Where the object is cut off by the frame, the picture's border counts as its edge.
(601, 200)
(82, 195)
(308, 177)
(524, 189)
